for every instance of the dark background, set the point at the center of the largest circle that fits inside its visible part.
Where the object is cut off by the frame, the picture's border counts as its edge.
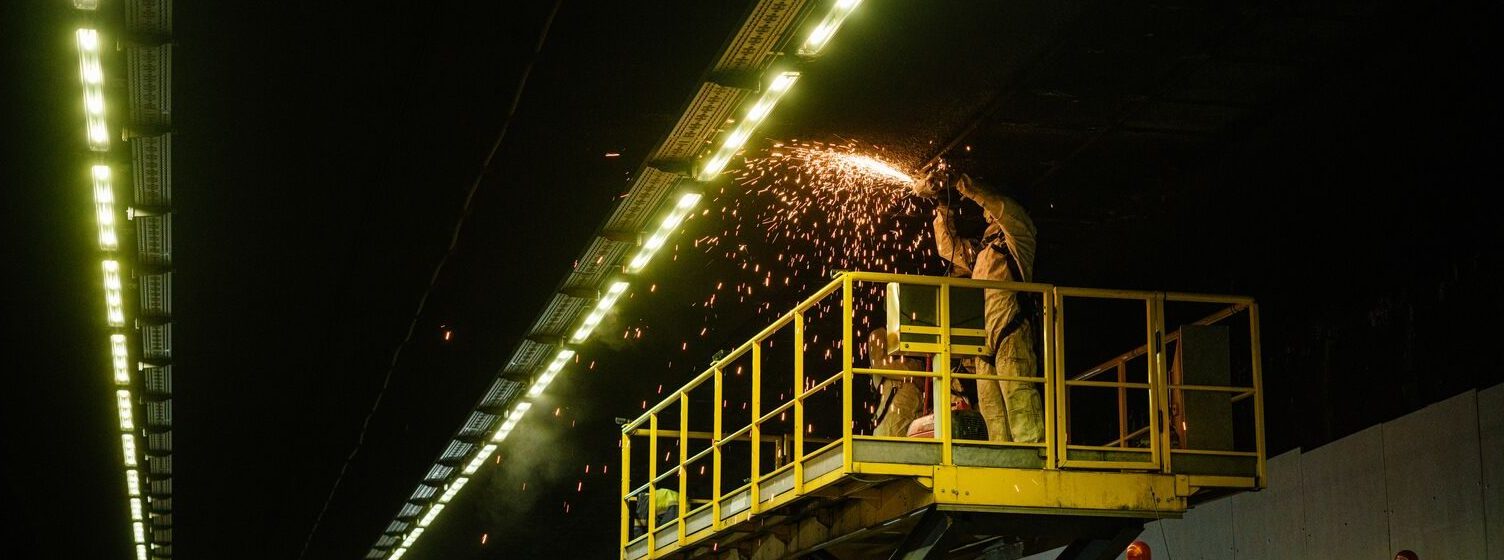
(1336, 161)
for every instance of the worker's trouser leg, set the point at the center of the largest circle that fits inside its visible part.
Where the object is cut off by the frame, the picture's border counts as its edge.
(990, 403)
(1013, 409)
(903, 407)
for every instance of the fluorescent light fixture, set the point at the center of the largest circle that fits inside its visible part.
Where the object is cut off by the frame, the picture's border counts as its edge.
(123, 402)
(113, 299)
(552, 371)
(397, 553)
(128, 446)
(135, 509)
(412, 537)
(602, 306)
(86, 4)
(120, 359)
(132, 483)
(666, 228)
(140, 552)
(480, 458)
(511, 422)
(821, 34)
(738, 137)
(91, 72)
(433, 512)
(454, 489)
(138, 529)
(104, 207)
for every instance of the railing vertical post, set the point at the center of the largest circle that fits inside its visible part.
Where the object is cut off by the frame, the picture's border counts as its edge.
(1062, 408)
(754, 503)
(798, 452)
(847, 311)
(626, 489)
(1122, 404)
(652, 522)
(1254, 345)
(942, 389)
(715, 453)
(1051, 385)
(683, 454)
(1160, 443)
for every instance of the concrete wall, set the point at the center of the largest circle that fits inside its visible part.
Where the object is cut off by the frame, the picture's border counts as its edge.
(1431, 481)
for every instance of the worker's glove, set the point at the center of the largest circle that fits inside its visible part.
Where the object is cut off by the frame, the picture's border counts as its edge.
(929, 186)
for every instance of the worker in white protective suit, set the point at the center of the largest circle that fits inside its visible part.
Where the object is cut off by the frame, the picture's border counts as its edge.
(899, 401)
(1013, 409)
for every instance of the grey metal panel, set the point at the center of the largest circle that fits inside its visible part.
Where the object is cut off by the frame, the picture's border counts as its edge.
(408, 511)
(1343, 482)
(158, 379)
(666, 535)
(1491, 446)
(422, 493)
(457, 450)
(1271, 523)
(1205, 533)
(156, 342)
(706, 115)
(149, 16)
(529, 356)
(159, 414)
(159, 466)
(501, 393)
(822, 464)
(559, 317)
(149, 75)
(756, 44)
(602, 258)
(774, 485)
(477, 425)
(735, 503)
(439, 472)
(151, 170)
(698, 520)
(154, 239)
(156, 295)
(645, 196)
(1433, 473)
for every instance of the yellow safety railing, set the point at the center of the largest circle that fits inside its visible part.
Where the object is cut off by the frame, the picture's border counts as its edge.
(697, 519)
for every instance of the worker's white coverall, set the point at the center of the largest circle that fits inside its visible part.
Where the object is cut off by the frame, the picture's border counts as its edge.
(1013, 409)
(899, 402)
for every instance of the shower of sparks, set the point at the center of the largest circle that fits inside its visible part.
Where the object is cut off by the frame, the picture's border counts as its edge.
(793, 214)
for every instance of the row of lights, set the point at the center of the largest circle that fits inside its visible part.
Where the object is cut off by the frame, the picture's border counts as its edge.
(712, 166)
(96, 129)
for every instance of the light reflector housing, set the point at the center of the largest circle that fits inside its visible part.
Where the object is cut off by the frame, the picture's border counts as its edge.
(666, 227)
(120, 359)
(480, 458)
(123, 403)
(91, 72)
(550, 372)
(602, 306)
(114, 301)
(821, 34)
(104, 207)
(128, 446)
(743, 130)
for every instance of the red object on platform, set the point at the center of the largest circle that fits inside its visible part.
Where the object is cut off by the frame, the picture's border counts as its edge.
(1139, 550)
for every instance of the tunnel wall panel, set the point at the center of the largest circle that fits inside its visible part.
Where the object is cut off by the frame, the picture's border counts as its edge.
(1491, 447)
(1434, 480)
(1344, 500)
(1271, 523)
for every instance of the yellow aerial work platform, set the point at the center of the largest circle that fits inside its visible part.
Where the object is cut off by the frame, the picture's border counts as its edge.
(1170, 418)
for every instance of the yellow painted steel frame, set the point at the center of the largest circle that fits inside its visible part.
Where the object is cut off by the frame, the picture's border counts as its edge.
(1099, 487)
